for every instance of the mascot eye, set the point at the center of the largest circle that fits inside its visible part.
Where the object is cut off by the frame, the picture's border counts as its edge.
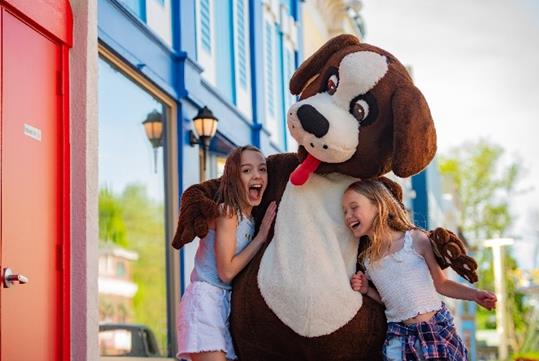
(333, 82)
(360, 110)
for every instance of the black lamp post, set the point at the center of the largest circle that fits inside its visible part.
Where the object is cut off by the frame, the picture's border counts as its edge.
(205, 125)
(153, 126)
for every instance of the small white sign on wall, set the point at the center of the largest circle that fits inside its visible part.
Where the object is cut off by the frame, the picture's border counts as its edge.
(32, 132)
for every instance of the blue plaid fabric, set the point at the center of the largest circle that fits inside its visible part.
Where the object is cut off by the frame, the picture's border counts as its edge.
(437, 338)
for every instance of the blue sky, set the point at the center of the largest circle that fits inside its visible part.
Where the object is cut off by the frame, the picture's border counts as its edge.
(477, 62)
(125, 154)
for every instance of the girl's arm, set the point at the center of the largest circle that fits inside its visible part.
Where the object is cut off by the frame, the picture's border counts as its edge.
(446, 286)
(373, 293)
(361, 284)
(228, 264)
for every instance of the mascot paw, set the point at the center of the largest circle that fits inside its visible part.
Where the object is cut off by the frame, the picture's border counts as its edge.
(196, 210)
(200, 226)
(450, 252)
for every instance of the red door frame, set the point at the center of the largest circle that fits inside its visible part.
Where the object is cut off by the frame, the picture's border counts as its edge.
(55, 20)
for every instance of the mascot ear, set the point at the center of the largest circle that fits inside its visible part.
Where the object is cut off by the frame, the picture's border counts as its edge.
(393, 187)
(310, 67)
(414, 136)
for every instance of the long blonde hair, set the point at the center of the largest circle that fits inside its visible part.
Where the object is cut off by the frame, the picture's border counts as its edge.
(391, 216)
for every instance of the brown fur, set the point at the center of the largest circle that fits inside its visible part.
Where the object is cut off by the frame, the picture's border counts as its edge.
(450, 252)
(402, 139)
(196, 208)
(312, 65)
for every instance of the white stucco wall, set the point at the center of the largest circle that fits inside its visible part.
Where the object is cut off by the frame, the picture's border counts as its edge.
(84, 182)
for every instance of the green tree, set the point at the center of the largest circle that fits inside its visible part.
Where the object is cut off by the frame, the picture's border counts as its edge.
(483, 186)
(111, 221)
(135, 222)
(483, 182)
(145, 229)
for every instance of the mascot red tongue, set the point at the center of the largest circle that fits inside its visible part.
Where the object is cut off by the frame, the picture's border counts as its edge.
(301, 174)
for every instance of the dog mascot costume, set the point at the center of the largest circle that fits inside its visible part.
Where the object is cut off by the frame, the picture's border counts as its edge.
(359, 116)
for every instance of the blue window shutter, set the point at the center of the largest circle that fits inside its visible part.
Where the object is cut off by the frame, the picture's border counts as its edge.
(242, 69)
(205, 29)
(269, 68)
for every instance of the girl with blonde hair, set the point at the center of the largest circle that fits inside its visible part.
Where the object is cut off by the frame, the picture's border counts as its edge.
(399, 260)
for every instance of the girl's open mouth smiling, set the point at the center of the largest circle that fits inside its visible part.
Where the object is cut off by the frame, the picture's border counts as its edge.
(255, 192)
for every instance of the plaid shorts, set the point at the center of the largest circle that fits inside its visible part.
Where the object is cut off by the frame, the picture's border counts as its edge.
(435, 339)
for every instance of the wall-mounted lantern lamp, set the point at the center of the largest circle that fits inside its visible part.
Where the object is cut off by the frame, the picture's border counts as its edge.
(205, 125)
(153, 126)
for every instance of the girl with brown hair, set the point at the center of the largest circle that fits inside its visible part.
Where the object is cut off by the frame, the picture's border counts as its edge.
(203, 329)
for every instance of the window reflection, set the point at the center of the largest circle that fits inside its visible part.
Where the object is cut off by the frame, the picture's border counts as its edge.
(132, 271)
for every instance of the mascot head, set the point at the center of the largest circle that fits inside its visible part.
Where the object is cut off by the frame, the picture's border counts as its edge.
(359, 114)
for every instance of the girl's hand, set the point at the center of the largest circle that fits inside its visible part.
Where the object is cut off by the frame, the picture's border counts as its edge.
(485, 299)
(359, 283)
(266, 222)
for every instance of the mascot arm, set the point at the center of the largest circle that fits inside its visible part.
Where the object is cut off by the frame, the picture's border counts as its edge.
(449, 251)
(448, 247)
(197, 207)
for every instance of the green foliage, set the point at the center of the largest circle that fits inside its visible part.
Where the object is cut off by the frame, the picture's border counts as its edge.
(144, 220)
(475, 174)
(111, 222)
(483, 183)
(136, 223)
(527, 356)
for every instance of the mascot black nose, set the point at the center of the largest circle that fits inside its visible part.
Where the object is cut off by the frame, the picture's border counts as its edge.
(312, 121)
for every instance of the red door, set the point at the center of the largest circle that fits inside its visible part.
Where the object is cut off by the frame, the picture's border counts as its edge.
(32, 172)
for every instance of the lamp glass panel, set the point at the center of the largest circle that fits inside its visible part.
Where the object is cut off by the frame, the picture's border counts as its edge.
(207, 126)
(199, 127)
(153, 130)
(213, 127)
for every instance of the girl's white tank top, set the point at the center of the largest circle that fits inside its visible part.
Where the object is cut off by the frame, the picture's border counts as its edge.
(404, 283)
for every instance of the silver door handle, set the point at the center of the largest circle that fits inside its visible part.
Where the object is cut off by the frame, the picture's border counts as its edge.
(10, 278)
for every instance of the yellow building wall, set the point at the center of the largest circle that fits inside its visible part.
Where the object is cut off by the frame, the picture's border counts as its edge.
(322, 20)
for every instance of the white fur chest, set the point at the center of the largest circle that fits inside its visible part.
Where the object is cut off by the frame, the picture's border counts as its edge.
(304, 275)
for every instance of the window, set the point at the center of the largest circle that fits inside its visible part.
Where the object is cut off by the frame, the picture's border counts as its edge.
(242, 56)
(205, 38)
(273, 115)
(159, 18)
(241, 41)
(132, 278)
(157, 14)
(138, 7)
(269, 64)
(279, 47)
